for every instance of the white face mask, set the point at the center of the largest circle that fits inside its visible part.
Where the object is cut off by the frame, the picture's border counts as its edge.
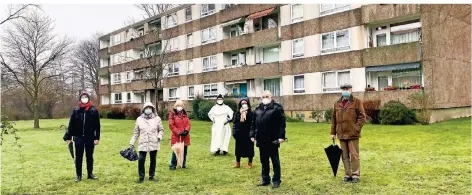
(265, 101)
(84, 100)
(148, 111)
(244, 106)
(219, 102)
(179, 108)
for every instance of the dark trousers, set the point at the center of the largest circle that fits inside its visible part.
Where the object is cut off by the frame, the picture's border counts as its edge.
(271, 151)
(173, 161)
(238, 159)
(83, 144)
(142, 160)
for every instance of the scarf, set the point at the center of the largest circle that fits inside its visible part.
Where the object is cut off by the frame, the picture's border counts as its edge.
(86, 106)
(243, 114)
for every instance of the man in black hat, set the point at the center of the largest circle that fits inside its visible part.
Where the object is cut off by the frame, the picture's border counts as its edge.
(347, 121)
(84, 128)
(221, 115)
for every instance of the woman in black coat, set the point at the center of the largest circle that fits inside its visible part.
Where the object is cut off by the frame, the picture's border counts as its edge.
(241, 128)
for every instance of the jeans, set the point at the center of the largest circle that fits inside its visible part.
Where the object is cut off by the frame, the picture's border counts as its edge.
(271, 151)
(82, 144)
(142, 160)
(173, 161)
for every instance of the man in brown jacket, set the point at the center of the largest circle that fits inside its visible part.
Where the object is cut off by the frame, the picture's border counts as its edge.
(346, 123)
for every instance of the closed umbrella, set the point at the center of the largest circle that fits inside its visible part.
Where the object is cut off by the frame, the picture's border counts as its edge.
(333, 152)
(71, 144)
(178, 149)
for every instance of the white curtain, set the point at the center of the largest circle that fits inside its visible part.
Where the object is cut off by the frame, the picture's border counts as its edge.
(272, 23)
(298, 47)
(206, 63)
(213, 61)
(344, 78)
(205, 35)
(189, 39)
(405, 37)
(191, 91)
(297, 11)
(342, 38)
(206, 90)
(329, 80)
(273, 85)
(299, 82)
(271, 54)
(190, 66)
(242, 59)
(381, 40)
(212, 34)
(172, 93)
(327, 41)
(404, 79)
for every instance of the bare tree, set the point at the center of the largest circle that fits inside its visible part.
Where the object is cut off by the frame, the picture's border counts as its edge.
(18, 12)
(31, 54)
(155, 9)
(87, 63)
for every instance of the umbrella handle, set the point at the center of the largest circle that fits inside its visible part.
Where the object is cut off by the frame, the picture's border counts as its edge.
(334, 142)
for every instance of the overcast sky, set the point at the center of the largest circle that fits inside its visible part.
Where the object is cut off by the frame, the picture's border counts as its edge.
(81, 21)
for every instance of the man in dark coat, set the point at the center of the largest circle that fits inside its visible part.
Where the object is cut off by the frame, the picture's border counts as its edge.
(268, 129)
(241, 129)
(84, 129)
(346, 123)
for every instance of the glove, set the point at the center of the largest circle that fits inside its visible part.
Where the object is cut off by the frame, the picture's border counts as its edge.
(185, 133)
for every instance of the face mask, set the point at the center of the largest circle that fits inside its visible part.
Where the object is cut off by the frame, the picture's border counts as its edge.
(179, 108)
(265, 101)
(219, 102)
(84, 100)
(244, 106)
(148, 111)
(346, 94)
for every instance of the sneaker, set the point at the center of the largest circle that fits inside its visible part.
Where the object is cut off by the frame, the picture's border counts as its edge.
(347, 179)
(152, 179)
(276, 184)
(172, 168)
(140, 180)
(355, 180)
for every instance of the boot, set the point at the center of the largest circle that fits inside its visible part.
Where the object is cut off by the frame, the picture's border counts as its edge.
(249, 165)
(91, 176)
(237, 165)
(140, 180)
(78, 179)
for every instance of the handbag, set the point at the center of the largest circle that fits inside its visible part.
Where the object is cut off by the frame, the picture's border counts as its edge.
(130, 154)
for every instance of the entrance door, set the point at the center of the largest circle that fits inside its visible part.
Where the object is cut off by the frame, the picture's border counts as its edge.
(243, 89)
(383, 82)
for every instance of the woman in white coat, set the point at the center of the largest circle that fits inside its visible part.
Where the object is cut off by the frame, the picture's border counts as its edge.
(221, 115)
(149, 130)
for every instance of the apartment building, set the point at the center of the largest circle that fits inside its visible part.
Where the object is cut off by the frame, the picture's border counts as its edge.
(302, 53)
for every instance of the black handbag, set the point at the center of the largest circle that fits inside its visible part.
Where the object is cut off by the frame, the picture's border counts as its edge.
(129, 154)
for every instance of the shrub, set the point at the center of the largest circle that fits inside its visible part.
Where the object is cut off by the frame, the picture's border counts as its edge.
(293, 119)
(191, 115)
(327, 115)
(316, 115)
(396, 113)
(131, 112)
(103, 110)
(232, 104)
(372, 110)
(195, 106)
(424, 102)
(163, 113)
(116, 113)
(204, 108)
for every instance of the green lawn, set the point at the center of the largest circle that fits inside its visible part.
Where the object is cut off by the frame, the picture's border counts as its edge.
(415, 159)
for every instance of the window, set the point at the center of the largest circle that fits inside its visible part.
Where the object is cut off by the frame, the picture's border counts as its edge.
(227, 6)
(209, 63)
(189, 40)
(208, 35)
(188, 14)
(129, 77)
(332, 80)
(382, 82)
(191, 93)
(238, 59)
(116, 39)
(117, 78)
(407, 37)
(207, 9)
(299, 84)
(273, 85)
(327, 9)
(335, 41)
(271, 54)
(381, 40)
(171, 20)
(117, 98)
(173, 94)
(297, 13)
(298, 48)
(190, 66)
(210, 91)
(406, 78)
(173, 44)
(173, 69)
(128, 97)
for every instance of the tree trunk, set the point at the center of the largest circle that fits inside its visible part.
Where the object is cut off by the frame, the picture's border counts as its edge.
(36, 112)
(156, 99)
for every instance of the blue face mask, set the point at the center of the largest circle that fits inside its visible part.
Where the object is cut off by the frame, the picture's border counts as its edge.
(147, 111)
(346, 94)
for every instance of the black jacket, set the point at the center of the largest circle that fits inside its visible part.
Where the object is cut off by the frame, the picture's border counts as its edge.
(90, 128)
(268, 123)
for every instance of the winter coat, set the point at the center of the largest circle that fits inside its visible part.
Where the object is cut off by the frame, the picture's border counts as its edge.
(178, 123)
(268, 123)
(347, 122)
(84, 124)
(149, 131)
(244, 147)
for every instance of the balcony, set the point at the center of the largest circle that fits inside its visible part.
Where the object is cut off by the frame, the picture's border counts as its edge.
(375, 13)
(260, 38)
(136, 85)
(137, 42)
(394, 54)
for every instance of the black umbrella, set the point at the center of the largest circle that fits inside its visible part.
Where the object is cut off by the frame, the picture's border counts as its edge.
(71, 150)
(333, 152)
(129, 154)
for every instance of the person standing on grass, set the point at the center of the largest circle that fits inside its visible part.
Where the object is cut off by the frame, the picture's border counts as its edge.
(221, 115)
(84, 129)
(241, 129)
(149, 130)
(179, 125)
(346, 123)
(268, 130)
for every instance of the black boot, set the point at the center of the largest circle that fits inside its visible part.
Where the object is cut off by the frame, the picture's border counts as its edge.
(217, 153)
(91, 176)
(152, 179)
(264, 184)
(140, 180)
(225, 153)
(79, 178)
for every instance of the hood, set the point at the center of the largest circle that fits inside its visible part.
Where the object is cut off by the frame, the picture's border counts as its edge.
(148, 104)
(248, 103)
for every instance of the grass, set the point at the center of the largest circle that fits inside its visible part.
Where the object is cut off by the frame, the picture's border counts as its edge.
(415, 159)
